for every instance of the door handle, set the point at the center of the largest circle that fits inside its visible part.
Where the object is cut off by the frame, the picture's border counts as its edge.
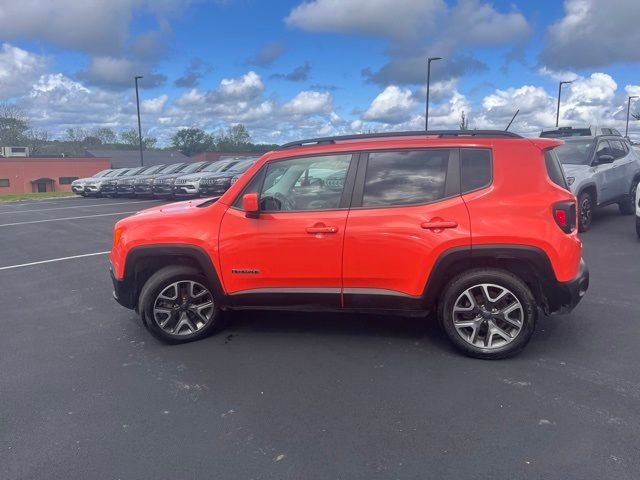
(322, 229)
(438, 224)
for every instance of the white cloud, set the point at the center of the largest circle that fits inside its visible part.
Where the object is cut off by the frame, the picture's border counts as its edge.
(417, 29)
(248, 86)
(384, 18)
(18, 70)
(309, 103)
(593, 33)
(392, 105)
(118, 73)
(154, 105)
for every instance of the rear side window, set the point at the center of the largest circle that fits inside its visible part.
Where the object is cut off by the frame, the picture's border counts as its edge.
(475, 169)
(406, 177)
(554, 169)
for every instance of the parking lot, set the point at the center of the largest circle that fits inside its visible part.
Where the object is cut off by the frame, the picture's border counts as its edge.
(86, 392)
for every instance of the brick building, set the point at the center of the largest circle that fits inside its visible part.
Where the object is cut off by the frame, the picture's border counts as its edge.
(46, 174)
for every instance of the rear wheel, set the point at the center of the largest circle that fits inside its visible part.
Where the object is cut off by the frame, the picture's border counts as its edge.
(488, 313)
(585, 211)
(628, 205)
(177, 305)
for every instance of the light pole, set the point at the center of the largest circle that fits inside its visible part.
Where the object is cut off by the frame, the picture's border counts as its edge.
(626, 130)
(559, 93)
(426, 113)
(136, 78)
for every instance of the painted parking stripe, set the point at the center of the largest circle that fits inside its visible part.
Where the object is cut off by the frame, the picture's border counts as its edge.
(76, 206)
(53, 260)
(66, 218)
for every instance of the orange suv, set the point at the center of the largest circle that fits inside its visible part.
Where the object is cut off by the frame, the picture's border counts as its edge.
(477, 227)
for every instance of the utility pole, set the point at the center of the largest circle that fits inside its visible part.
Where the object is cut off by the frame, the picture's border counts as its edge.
(560, 93)
(626, 130)
(426, 113)
(136, 78)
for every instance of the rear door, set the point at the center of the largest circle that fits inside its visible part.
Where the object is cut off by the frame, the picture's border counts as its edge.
(406, 210)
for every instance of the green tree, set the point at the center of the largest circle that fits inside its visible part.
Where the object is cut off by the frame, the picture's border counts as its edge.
(106, 135)
(235, 138)
(130, 139)
(464, 122)
(192, 140)
(14, 125)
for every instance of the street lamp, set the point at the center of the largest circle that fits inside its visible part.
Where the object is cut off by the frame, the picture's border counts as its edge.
(136, 78)
(559, 93)
(426, 113)
(626, 130)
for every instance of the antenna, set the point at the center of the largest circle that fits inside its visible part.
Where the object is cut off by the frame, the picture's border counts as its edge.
(512, 119)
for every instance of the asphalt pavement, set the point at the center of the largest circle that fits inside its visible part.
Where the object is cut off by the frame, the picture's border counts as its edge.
(86, 392)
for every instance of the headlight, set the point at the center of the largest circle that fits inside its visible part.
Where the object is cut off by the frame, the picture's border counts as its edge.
(571, 180)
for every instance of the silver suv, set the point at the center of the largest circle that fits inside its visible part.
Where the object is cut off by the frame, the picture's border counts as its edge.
(600, 170)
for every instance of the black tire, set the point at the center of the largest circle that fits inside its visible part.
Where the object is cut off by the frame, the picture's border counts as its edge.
(585, 211)
(638, 226)
(155, 285)
(628, 205)
(517, 289)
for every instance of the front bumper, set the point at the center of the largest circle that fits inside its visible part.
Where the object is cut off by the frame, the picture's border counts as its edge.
(212, 190)
(126, 189)
(562, 297)
(162, 190)
(92, 190)
(143, 189)
(185, 190)
(79, 189)
(123, 291)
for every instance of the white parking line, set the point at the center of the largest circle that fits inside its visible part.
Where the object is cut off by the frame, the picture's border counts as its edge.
(66, 218)
(52, 260)
(76, 206)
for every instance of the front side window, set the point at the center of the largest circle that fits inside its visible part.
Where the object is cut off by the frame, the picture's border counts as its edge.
(303, 184)
(603, 149)
(617, 148)
(405, 177)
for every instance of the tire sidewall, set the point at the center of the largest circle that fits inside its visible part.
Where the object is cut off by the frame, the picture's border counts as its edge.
(582, 227)
(156, 284)
(497, 277)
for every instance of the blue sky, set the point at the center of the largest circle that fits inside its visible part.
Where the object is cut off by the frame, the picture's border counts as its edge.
(290, 69)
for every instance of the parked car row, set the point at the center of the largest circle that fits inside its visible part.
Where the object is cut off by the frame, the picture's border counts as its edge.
(165, 181)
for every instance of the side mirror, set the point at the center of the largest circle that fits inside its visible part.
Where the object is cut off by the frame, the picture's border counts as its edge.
(251, 204)
(605, 159)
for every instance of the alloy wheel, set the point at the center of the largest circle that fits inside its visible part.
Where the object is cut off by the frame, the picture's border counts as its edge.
(488, 316)
(183, 308)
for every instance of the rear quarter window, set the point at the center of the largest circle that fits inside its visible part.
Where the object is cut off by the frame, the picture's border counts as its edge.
(476, 169)
(554, 169)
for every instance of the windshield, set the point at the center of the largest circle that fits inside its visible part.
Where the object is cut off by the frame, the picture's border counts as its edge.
(135, 171)
(193, 167)
(575, 152)
(121, 172)
(172, 168)
(103, 173)
(219, 166)
(153, 169)
(243, 165)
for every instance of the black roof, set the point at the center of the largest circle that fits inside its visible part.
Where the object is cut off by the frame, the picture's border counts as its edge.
(131, 158)
(430, 133)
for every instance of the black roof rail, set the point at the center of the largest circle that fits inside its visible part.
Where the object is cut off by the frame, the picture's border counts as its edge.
(430, 133)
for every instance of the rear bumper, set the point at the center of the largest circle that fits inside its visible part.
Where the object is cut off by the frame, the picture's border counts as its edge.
(562, 297)
(123, 291)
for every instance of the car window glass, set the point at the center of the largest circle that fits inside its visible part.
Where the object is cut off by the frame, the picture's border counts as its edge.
(603, 148)
(617, 148)
(575, 152)
(302, 184)
(405, 177)
(475, 169)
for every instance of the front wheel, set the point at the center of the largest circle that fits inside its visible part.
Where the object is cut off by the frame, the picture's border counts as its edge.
(488, 313)
(628, 205)
(177, 305)
(585, 211)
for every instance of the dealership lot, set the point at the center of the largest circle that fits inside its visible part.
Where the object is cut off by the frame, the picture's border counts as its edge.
(86, 392)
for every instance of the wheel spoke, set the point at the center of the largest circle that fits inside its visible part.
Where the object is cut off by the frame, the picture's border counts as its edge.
(467, 294)
(183, 308)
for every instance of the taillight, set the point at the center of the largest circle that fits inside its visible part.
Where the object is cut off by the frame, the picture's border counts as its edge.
(564, 213)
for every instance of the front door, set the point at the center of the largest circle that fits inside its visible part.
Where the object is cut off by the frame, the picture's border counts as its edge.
(42, 187)
(607, 178)
(291, 253)
(406, 211)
